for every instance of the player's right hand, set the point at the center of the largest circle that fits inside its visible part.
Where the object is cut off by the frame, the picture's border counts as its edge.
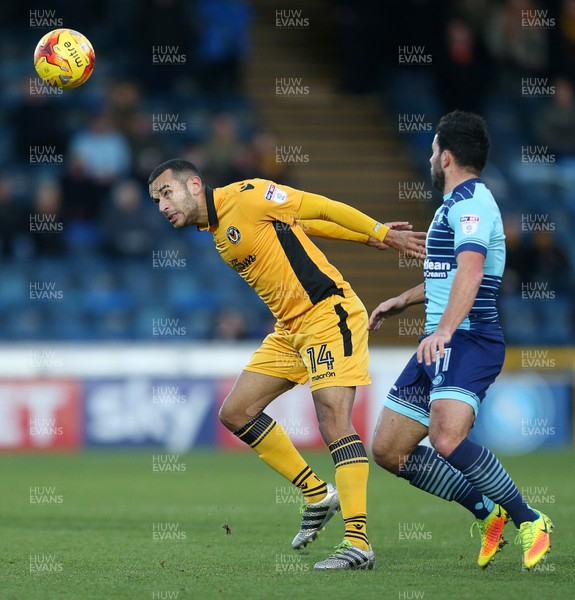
(389, 308)
(398, 226)
(411, 243)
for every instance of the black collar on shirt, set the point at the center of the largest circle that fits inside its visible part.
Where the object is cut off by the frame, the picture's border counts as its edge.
(212, 215)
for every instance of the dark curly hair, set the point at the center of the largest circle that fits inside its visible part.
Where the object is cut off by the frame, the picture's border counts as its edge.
(465, 135)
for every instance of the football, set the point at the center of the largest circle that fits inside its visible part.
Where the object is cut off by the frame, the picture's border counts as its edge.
(64, 58)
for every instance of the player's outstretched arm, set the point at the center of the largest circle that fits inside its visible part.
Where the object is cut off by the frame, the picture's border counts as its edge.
(332, 231)
(314, 206)
(395, 306)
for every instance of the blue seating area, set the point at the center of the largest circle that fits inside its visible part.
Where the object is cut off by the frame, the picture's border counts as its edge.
(102, 299)
(93, 277)
(99, 296)
(98, 259)
(540, 195)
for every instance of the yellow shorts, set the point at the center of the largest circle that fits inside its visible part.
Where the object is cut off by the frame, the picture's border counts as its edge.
(327, 345)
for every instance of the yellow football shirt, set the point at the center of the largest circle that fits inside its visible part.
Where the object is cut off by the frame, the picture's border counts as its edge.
(255, 229)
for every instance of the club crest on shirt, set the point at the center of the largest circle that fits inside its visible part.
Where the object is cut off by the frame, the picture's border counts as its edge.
(234, 234)
(469, 224)
(274, 194)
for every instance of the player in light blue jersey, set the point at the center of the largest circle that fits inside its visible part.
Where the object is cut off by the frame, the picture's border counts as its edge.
(468, 220)
(440, 390)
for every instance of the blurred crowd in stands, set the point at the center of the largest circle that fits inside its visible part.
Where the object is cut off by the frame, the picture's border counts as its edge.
(512, 61)
(75, 215)
(74, 211)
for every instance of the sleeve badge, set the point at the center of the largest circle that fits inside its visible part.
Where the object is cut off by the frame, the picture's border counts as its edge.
(469, 224)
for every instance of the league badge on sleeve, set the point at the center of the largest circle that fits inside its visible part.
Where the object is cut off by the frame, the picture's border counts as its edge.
(274, 194)
(469, 224)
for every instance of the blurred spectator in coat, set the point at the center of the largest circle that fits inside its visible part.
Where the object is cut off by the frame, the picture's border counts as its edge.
(129, 228)
(461, 69)
(14, 221)
(223, 41)
(519, 51)
(46, 220)
(555, 124)
(102, 150)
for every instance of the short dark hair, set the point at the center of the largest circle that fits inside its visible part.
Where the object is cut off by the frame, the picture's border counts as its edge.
(182, 169)
(465, 135)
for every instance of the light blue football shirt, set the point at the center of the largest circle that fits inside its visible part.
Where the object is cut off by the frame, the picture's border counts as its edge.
(468, 219)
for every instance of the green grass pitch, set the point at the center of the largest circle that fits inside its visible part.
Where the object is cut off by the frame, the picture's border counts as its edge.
(105, 525)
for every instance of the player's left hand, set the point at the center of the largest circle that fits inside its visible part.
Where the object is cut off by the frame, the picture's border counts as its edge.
(433, 344)
(398, 226)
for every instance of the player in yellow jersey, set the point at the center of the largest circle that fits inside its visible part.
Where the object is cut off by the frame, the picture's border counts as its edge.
(261, 229)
